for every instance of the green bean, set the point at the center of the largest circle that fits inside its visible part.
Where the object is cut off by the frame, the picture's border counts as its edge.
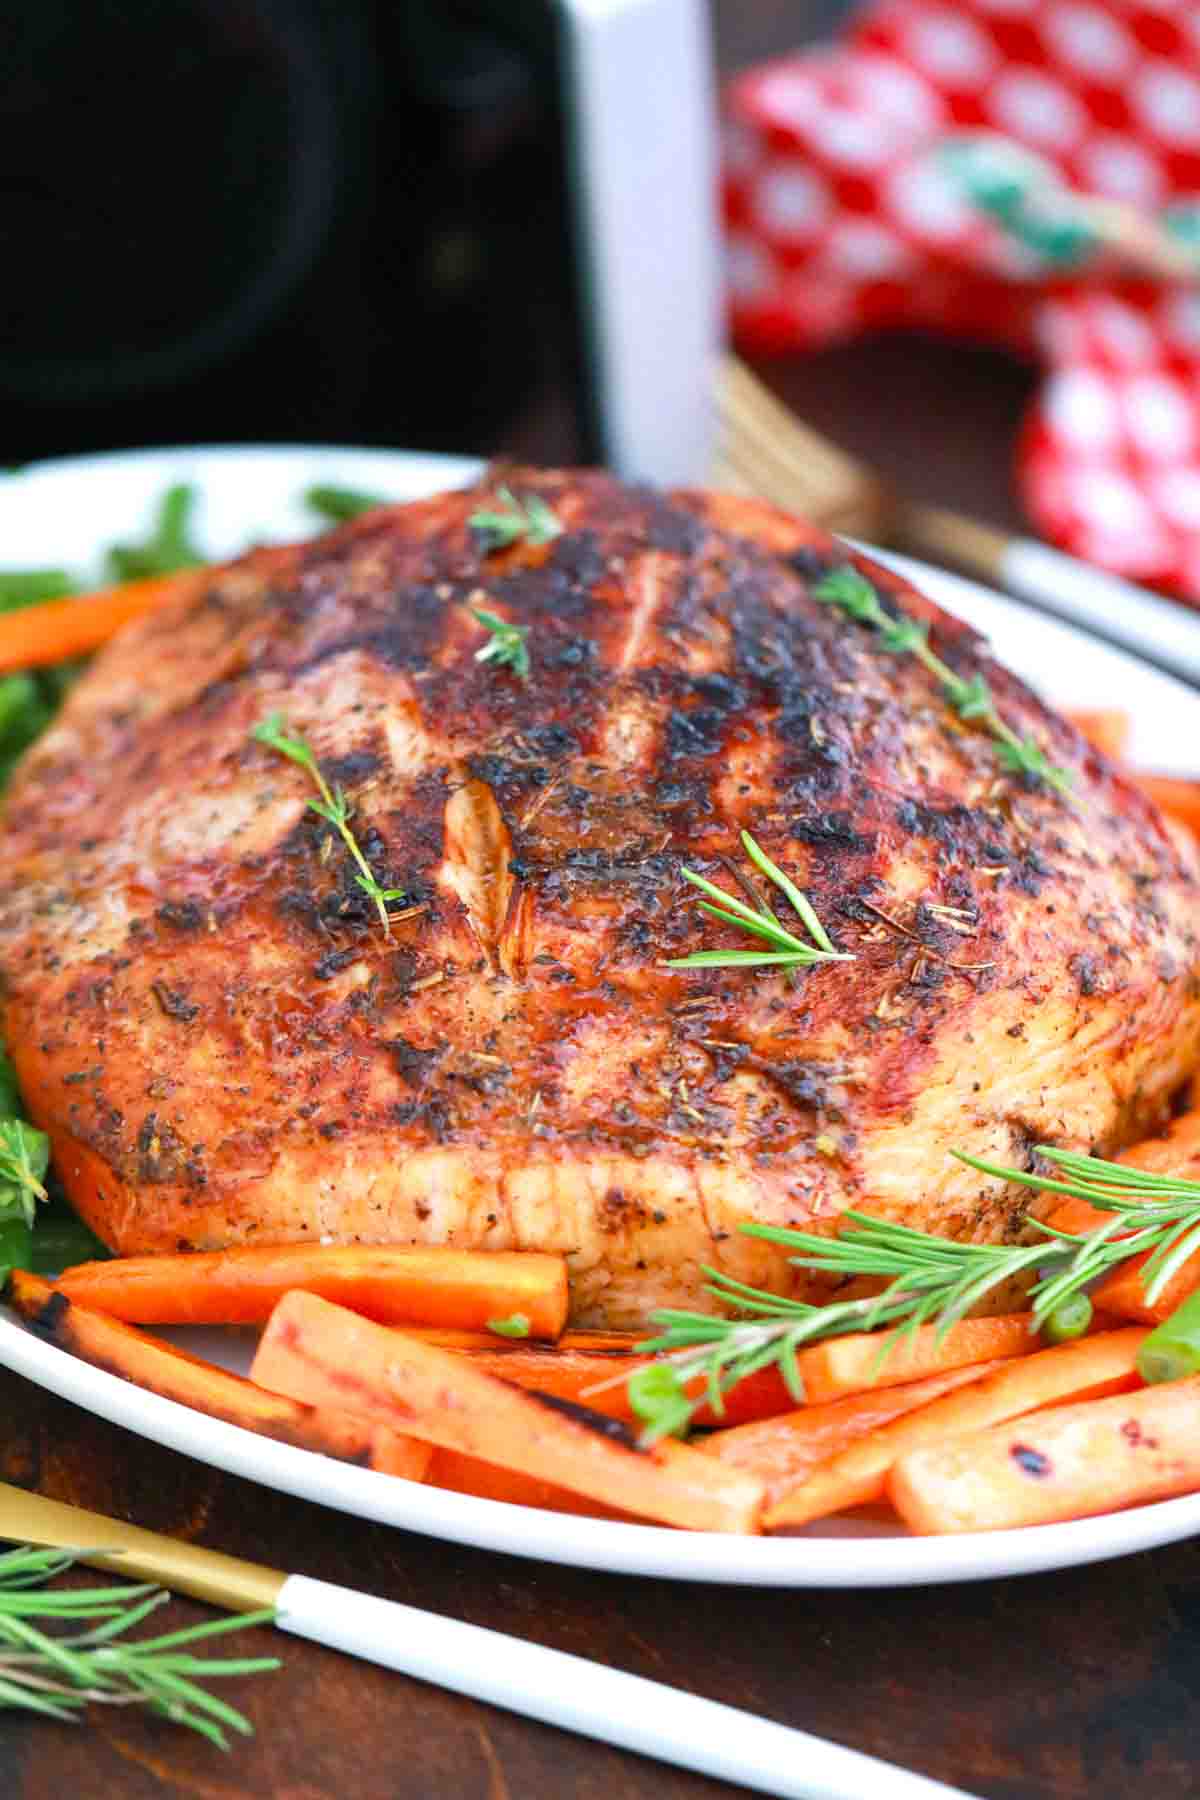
(16, 1247)
(62, 1240)
(25, 587)
(1172, 1349)
(339, 504)
(167, 548)
(1070, 1320)
(23, 712)
(10, 1093)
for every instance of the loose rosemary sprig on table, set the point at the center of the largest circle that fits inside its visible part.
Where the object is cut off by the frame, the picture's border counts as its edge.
(60, 1675)
(930, 1280)
(332, 806)
(529, 518)
(506, 643)
(787, 950)
(852, 594)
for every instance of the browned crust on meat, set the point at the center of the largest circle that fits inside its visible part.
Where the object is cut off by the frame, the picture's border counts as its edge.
(208, 1017)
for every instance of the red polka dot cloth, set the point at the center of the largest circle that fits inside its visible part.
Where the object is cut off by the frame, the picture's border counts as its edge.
(996, 169)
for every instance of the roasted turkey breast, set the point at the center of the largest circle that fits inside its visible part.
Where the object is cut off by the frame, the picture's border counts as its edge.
(227, 1047)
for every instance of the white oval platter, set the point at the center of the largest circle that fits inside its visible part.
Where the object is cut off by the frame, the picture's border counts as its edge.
(64, 513)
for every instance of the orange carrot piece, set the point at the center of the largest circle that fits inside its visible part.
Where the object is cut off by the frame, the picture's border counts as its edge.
(396, 1284)
(784, 1451)
(460, 1474)
(847, 1365)
(1122, 1294)
(35, 636)
(1067, 1463)
(1077, 1216)
(162, 1369)
(1106, 728)
(1178, 798)
(1089, 1367)
(582, 1364)
(324, 1355)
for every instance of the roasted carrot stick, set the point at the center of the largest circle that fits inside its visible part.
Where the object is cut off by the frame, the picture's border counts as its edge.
(36, 636)
(487, 1481)
(1088, 1367)
(784, 1451)
(582, 1365)
(324, 1355)
(1178, 798)
(397, 1284)
(1066, 1463)
(847, 1365)
(1122, 1295)
(1106, 728)
(149, 1363)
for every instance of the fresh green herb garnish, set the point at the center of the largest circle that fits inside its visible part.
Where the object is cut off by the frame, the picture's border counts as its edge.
(971, 699)
(332, 806)
(529, 518)
(787, 950)
(24, 1159)
(515, 1326)
(506, 643)
(168, 547)
(60, 1675)
(340, 504)
(931, 1280)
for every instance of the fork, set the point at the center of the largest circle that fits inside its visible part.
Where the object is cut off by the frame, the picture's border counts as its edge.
(765, 451)
(525, 1678)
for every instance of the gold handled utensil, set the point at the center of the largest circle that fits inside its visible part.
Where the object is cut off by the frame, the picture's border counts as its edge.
(530, 1679)
(766, 452)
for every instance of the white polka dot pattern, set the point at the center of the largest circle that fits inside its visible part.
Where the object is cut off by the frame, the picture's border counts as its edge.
(841, 217)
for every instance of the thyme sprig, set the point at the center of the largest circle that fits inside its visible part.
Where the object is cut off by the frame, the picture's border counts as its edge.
(529, 518)
(852, 594)
(58, 1676)
(787, 950)
(332, 806)
(24, 1159)
(930, 1280)
(505, 645)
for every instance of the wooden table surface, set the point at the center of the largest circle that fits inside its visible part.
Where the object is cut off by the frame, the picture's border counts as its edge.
(1045, 1688)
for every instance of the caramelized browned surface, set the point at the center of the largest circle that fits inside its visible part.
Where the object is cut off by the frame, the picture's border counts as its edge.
(210, 1020)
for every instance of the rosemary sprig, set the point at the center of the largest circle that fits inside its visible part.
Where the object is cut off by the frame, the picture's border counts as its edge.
(506, 643)
(24, 1159)
(971, 699)
(332, 806)
(529, 518)
(58, 1676)
(930, 1280)
(787, 950)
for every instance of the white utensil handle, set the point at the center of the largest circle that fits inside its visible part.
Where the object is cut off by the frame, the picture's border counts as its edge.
(1165, 631)
(587, 1697)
